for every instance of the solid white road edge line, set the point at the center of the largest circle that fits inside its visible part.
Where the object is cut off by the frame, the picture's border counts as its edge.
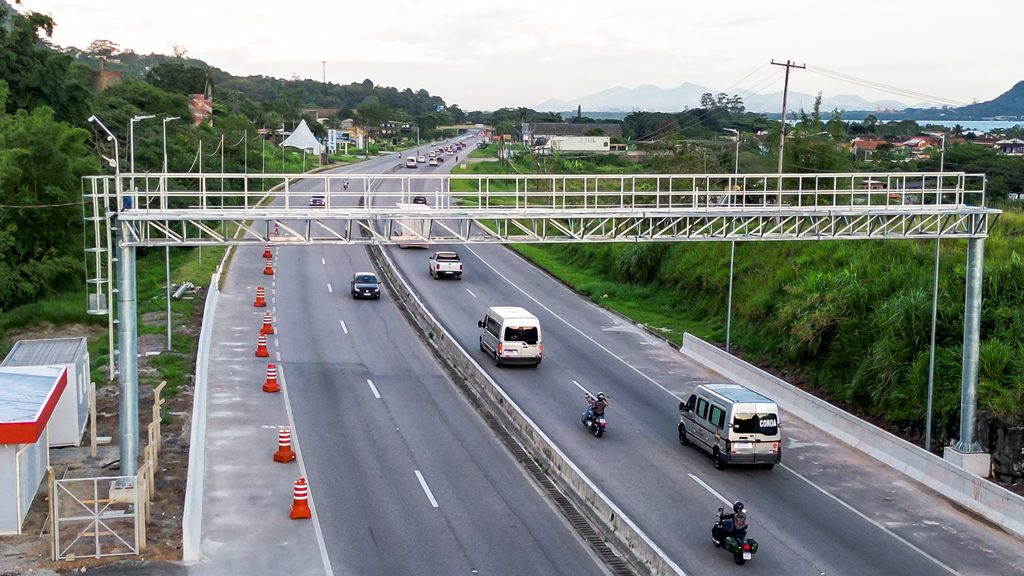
(426, 489)
(343, 327)
(876, 524)
(710, 489)
(669, 392)
(302, 470)
(376, 394)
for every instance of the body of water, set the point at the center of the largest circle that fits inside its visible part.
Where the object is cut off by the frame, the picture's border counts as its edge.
(983, 125)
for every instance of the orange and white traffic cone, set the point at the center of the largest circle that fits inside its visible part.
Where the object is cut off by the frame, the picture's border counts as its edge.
(271, 384)
(284, 445)
(268, 270)
(300, 500)
(266, 252)
(261, 347)
(268, 326)
(261, 298)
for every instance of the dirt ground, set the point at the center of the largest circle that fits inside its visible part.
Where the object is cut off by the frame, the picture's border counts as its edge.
(29, 553)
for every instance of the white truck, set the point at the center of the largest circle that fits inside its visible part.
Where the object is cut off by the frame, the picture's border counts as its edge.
(445, 264)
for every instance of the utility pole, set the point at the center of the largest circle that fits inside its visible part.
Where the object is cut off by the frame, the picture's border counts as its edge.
(323, 66)
(785, 93)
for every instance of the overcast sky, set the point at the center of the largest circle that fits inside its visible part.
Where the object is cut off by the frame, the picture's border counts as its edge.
(482, 54)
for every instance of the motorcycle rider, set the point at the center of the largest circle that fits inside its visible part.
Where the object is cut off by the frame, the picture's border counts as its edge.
(345, 184)
(733, 524)
(597, 404)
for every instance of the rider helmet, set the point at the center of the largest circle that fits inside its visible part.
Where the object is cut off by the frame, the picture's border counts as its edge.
(739, 508)
(601, 396)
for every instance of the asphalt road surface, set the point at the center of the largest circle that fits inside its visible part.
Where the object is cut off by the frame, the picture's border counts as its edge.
(406, 477)
(827, 510)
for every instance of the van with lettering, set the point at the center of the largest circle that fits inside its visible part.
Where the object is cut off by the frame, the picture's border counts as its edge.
(732, 423)
(511, 335)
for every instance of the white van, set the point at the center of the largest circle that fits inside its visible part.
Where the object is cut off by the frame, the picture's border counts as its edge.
(734, 424)
(511, 335)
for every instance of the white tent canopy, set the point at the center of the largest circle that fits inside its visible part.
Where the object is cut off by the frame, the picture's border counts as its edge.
(303, 139)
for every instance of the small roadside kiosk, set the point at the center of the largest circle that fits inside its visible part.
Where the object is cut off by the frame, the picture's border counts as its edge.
(72, 412)
(28, 397)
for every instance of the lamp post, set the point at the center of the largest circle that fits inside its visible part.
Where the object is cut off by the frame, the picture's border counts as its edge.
(935, 307)
(167, 249)
(732, 251)
(131, 143)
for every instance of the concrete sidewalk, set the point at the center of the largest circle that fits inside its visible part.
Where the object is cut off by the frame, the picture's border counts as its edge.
(247, 496)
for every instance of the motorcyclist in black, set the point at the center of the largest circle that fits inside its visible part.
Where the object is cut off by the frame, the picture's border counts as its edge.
(598, 403)
(733, 524)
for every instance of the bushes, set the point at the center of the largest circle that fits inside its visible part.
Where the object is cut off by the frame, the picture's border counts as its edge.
(854, 318)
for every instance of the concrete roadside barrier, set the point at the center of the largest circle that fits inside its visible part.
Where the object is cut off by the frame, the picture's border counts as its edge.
(988, 499)
(625, 535)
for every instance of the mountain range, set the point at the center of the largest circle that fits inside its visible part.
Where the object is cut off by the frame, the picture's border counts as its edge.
(687, 95)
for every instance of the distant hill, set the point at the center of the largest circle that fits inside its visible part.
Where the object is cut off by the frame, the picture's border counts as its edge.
(687, 95)
(1007, 106)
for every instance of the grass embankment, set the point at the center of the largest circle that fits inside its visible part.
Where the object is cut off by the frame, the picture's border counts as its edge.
(65, 313)
(852, 319)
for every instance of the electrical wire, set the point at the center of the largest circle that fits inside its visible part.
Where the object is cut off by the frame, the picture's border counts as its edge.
(883, 87)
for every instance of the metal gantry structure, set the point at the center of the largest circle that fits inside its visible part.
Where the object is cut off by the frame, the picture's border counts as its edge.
(126, 211)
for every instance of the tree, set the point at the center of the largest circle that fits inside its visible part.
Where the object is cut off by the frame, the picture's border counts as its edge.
(42, 161)
(107, 48)
(36, 75)
(175, 76)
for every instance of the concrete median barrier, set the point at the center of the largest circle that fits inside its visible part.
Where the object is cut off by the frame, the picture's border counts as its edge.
(622, 532)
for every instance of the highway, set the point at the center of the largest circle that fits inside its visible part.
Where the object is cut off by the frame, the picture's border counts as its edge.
(406, 477)
(828, 510)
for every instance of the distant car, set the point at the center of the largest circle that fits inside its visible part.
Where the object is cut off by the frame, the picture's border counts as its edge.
(419, 200)
(365, 285)
(317, 201)
(440, 158)
(410, 162)
(421, 159)
(433, 162)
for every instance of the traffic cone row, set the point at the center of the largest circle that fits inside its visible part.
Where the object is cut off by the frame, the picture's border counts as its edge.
(284, 454)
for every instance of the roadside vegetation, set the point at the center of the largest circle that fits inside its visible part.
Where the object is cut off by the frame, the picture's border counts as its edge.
(847, 320)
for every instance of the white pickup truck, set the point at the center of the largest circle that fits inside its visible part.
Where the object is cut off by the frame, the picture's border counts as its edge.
(445, 264)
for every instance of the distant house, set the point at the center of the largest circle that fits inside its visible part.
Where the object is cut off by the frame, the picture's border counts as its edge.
(864, 148)
(321, 115)
(1011, 147)
(918, 147)
(565, 136)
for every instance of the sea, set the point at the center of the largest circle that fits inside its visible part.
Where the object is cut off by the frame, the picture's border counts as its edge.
(983, 125)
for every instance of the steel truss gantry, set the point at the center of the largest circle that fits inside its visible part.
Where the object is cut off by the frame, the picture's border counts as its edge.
(177, 209)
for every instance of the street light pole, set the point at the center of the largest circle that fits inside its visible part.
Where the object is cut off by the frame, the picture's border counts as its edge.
(732, 252)
(131, 143)
(935, 310)
(167, 249)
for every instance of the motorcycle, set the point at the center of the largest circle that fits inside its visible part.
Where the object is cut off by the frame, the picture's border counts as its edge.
(596, 424)
(734, 541)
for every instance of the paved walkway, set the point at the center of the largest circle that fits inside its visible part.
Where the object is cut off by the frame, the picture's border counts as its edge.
(247, 496)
